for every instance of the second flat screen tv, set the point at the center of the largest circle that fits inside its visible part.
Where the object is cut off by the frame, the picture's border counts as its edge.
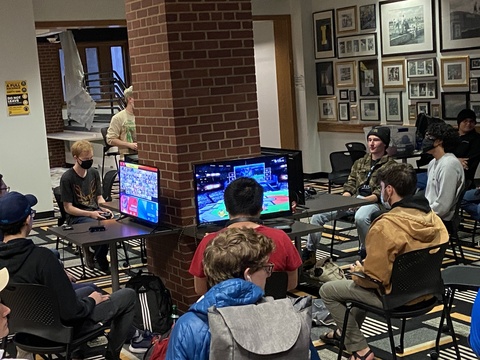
(211, 180)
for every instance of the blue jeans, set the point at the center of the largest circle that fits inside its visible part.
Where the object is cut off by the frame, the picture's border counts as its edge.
(471, 203)
(101, 251)
(422, 180)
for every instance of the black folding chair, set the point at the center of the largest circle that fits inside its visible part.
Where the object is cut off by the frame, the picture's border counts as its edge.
(341, 163)
(357, 150)
(106, 150)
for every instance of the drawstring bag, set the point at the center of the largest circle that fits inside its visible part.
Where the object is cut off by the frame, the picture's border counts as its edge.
(326, 270)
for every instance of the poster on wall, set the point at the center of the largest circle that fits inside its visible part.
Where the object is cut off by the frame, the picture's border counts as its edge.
(17, 97)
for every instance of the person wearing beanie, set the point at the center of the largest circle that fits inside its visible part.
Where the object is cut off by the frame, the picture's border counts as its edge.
(468, 151)
(362, 183)
(122, 131)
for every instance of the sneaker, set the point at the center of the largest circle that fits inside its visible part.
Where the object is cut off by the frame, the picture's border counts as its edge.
(141, 341)
(309, 259)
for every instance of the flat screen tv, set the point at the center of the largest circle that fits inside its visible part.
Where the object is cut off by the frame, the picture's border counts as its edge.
(295, 172)
(139, 192)
(211, 179)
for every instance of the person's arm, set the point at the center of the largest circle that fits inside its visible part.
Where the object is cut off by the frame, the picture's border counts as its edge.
(200, 284)
(447, 179)
(292, 280)
(74, 211)
(351, 186)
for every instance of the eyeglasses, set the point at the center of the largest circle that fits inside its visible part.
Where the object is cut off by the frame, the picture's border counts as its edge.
(268, 268)
(32, 213)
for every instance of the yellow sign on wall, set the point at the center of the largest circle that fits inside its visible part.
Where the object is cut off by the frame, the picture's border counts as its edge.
(17, 97)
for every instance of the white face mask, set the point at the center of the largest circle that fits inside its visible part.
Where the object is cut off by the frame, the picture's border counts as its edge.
(385, 202)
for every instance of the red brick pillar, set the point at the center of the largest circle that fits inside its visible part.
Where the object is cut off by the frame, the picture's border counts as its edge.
(193, 73)
(50, 76)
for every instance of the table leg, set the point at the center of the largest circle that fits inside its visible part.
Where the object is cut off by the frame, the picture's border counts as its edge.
(114, 266)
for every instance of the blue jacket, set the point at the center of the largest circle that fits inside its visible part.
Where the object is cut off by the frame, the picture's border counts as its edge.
(190, 337)
(474, 337)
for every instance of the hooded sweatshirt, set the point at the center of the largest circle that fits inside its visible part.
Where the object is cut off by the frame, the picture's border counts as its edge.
(27, 263)
(190, 337)
(409, 225)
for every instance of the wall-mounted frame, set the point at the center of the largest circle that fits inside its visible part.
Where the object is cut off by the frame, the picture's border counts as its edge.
(343, 111)
(475, 106)
(328, 108)
(453, 103)
(323, 30)
(458, 25)
(368, 77)
(393, 107)
(352, 95)
(474, 63)
(325, 78)
(354, 112)
(421, 68)
(345, 73)
(412, 112)
(454, 71)
(436, 110)
(423, 107)
(369, 109)
(393, 72)
(346, 19)
(368, 17)
(474, 85)
(422, 89)
(407, 27)
(343, 94)
(357, 45)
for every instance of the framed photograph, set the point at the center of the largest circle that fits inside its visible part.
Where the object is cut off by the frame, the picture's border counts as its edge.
(328, 108)
(345, 73)
(412, 112)
(343, 111)
(421, 68)
(368, 17)
(368, 76)
(422, 89)
(436, 110)
(393, 106)
(357, 45)
(474, 63)
(407, 27)
(458, 25)
(423, 107)
(454, 71)
(323, 30)
(453, 103)
(352, 94)
(343, 94)
(393, 72)
(354, 112)
(369, 109)
(475, 106)
(346, 19)
(474, 85)
(325, 78)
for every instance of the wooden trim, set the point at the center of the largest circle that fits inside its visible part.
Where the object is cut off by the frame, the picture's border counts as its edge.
(77, 24)
(346, 128)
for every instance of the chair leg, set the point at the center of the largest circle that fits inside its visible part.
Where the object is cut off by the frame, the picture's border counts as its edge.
(333, 237)
(399, 349)
(452, 333)
(103, 163)
(344, 331)
(392, 340)
(143, 250)
(84, 276)
(127, 261)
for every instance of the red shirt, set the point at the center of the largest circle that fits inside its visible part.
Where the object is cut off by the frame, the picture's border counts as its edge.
(285, 256)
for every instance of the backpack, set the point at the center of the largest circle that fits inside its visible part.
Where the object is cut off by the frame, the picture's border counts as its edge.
(247, 331)
(154, 303)
(158, 349)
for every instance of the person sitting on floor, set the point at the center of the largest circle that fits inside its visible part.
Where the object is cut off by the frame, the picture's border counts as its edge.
(244, 202)
(409, 225)
(362, 182)
(28, 263)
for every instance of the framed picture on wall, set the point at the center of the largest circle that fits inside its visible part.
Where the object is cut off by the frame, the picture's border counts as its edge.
(357, 45)
(353, 112)
(422, 89)
(345, 73)
(369, 109)
(368, 17)
(436, 110)
(453, 103)
(352, 94)
(393, 106)
(393, 72)
(343, 94)
(475, 106)
(343, 111)
(323, 29)
(474, 85)
(407, 27)
(325, 78)
(412, 112)
(421, 68)
(423, 107)
(328, 108)
(459, 25)
(368, 75)
(474, 63)
(347, 19)
(454, 71)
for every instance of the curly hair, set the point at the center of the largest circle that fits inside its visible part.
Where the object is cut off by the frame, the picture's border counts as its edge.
(234, 250)
(446, 133)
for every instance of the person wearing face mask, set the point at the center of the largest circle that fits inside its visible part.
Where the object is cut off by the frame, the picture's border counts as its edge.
(409, 225)
(446, 176)
(81, 193)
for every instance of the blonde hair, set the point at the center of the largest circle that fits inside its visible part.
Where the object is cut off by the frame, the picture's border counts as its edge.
(81, 146)
(128, 93)
(234, 250)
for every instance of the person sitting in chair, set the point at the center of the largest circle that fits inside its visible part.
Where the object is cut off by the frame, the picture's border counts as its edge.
(4, 310)
(410, 225)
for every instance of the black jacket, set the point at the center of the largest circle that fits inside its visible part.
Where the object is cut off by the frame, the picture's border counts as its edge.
(27, 263)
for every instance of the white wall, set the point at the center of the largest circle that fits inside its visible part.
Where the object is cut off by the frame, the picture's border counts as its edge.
(23, 143)
(70, 10)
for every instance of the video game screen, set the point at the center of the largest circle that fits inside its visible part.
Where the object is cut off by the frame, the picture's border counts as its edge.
(139, 186)
(211, 179)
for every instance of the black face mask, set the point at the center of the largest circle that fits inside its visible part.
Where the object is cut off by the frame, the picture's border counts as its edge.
(86, 164)
(427, 144)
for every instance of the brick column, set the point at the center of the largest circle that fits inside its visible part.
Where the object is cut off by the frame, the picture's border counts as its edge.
(52, 99)
(193, 72)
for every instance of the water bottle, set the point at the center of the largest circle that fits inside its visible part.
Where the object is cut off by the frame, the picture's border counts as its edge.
(174, 316)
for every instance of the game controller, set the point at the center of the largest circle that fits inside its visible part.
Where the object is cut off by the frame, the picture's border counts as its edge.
(106, 215)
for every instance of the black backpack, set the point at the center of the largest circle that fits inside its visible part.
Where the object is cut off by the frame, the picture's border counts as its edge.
(154, 303)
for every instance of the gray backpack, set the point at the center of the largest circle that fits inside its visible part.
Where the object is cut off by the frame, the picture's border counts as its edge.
(272, 329)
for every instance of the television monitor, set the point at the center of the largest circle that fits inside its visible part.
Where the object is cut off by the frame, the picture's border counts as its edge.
(211, 180)
(295, 172)
(139, 192)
